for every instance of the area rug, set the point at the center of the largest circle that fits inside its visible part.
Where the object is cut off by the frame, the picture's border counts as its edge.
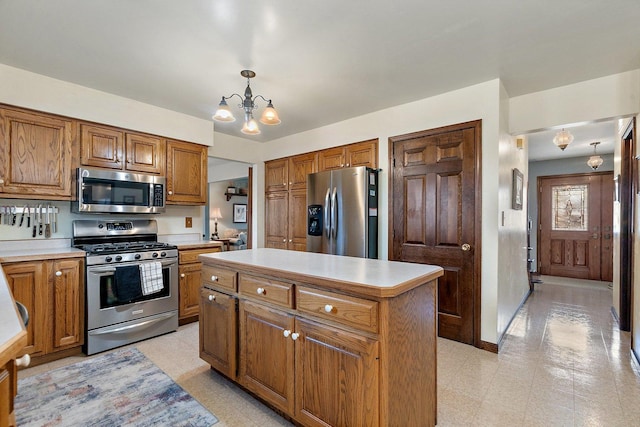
(122, 388)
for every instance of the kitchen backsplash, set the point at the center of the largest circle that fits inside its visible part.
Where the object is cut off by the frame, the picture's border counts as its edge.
(172, 222)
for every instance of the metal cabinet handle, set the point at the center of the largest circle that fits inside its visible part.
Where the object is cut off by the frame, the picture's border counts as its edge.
(294, 336)
(170, 192)
(182, 275)
(328, 308)
(260, 291)
(286, 333)
(212, 297)
(214, 278)
(24, 361)
(58, 273)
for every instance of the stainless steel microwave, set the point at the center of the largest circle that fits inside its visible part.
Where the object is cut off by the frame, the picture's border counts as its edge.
(105, 191)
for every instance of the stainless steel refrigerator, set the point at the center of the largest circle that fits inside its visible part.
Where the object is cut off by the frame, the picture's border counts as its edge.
(342, 212)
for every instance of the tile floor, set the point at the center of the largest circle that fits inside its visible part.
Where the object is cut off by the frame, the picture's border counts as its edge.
(563, 363)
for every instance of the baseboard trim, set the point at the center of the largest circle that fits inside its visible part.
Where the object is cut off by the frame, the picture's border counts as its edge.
(635, 358)
(501, 338)
(488, 346)
(615, 315)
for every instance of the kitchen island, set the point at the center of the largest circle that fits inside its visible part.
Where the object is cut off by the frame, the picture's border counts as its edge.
(324, 339)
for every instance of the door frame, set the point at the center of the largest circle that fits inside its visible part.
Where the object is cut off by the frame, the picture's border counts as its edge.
(628, 188)
(477, 251)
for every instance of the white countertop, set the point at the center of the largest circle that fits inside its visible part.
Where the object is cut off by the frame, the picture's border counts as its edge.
(361, 271)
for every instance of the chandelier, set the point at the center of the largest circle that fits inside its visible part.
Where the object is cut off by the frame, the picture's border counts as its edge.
(563, 139)
(595, 161)
(250, 127)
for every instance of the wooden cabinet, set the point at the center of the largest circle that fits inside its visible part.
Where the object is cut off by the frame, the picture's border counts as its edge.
(276, 219)
(8, 391)
(276, 175)
(186, 173)
(53, 293)
(299, 167)
(35, 155)
(218, 331)
(359, 154)
(113, 148)
(324, 351)
(190, 280)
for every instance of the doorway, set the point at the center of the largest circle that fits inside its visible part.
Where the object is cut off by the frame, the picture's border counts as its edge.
(576, 226)
(434, 201)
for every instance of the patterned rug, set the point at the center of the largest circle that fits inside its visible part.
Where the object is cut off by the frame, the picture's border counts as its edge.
(122, 388)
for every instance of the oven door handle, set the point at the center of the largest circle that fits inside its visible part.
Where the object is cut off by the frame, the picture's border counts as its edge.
(156, 319)
(113, 269)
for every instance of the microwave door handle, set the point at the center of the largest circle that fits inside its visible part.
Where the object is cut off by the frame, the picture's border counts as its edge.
(327, 207)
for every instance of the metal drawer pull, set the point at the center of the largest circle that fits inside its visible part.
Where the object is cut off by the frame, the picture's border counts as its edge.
(294, 336)
(24, 361)
(328, 308)
(182, 275)
(260, 291)
(58, 273)
(214, 278)
(286, 333)
(212, 297)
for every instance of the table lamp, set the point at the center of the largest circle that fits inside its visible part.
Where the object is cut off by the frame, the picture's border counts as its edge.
(215, 213)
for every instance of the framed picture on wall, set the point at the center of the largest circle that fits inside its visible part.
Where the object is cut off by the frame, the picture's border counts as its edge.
(239, 212)
(517, 189)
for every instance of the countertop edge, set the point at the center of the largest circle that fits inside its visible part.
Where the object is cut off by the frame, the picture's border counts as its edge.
(42, 256)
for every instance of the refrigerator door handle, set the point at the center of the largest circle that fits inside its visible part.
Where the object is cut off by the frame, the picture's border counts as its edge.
(326, 208)
(334, 218)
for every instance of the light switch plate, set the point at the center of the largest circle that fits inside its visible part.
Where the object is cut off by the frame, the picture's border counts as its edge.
(188, 222)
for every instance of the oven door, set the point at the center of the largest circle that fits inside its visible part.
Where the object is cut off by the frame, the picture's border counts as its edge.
(104, 308)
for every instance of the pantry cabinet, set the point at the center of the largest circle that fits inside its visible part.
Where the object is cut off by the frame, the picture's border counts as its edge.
(186, 173)
(359, 154)
(36, 151)
(113, 148)
(53, 293)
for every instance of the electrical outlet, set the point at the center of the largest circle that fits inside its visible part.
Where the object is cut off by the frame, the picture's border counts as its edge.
(188, 222)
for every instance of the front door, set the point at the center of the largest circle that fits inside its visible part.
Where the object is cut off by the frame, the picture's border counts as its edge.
(576, 226)
(435, 218)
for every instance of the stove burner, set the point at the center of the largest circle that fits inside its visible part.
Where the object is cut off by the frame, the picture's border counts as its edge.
(122, 247)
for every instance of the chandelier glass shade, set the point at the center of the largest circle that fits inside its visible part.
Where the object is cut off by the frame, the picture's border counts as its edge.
(595, 161)
(563, 139)
(250, 126)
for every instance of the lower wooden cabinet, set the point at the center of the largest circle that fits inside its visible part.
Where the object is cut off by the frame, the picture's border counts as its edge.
(53, 293)
(8, 391)
(190, 279)
(218, 331)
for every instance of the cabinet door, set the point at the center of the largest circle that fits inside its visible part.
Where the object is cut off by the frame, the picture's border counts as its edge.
(8, 391)
(218, 331)
(299, 167)
(145, 153)
(362, 154)
(186, 173)
(276, 175)
(336, 377)
(266, 354)
(101, 147)
(276, 223)
(331, 158)
(297, 240)
(28, 284)
(67, 303)
(189, 290)
(35, 155)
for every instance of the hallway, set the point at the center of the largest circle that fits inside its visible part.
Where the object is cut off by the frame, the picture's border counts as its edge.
(564, 362)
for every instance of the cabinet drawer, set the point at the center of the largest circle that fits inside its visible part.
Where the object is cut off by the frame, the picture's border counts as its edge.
(191, 255)
(270, 290)
(219, 277)
(356, 312)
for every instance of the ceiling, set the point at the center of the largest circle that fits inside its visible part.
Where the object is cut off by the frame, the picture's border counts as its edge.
(322, 62)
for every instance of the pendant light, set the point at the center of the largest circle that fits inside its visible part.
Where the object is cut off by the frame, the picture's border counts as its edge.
(563, 139)
(595, 161)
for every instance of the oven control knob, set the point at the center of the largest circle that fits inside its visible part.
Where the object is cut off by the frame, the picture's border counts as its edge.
(108, 259)
(163, 254)
(118, 258)
(137, 256)
(155, 255)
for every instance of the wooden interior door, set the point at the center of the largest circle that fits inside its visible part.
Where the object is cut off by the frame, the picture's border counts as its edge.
(434, 218)
(576, 226)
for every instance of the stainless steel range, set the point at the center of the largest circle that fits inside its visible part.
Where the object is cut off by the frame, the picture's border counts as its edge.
(131, 282)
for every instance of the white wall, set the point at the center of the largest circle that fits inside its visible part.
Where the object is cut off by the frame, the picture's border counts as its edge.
(513, 283)
(25, 89)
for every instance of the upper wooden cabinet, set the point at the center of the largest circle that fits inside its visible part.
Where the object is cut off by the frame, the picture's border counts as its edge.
(359, 154)
(276, 175)
(299, 167)
(35, 155)
(186, 173)
(107, 147)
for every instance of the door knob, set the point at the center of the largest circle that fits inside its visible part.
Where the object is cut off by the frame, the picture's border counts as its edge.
(466, 247)
(594, 236)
